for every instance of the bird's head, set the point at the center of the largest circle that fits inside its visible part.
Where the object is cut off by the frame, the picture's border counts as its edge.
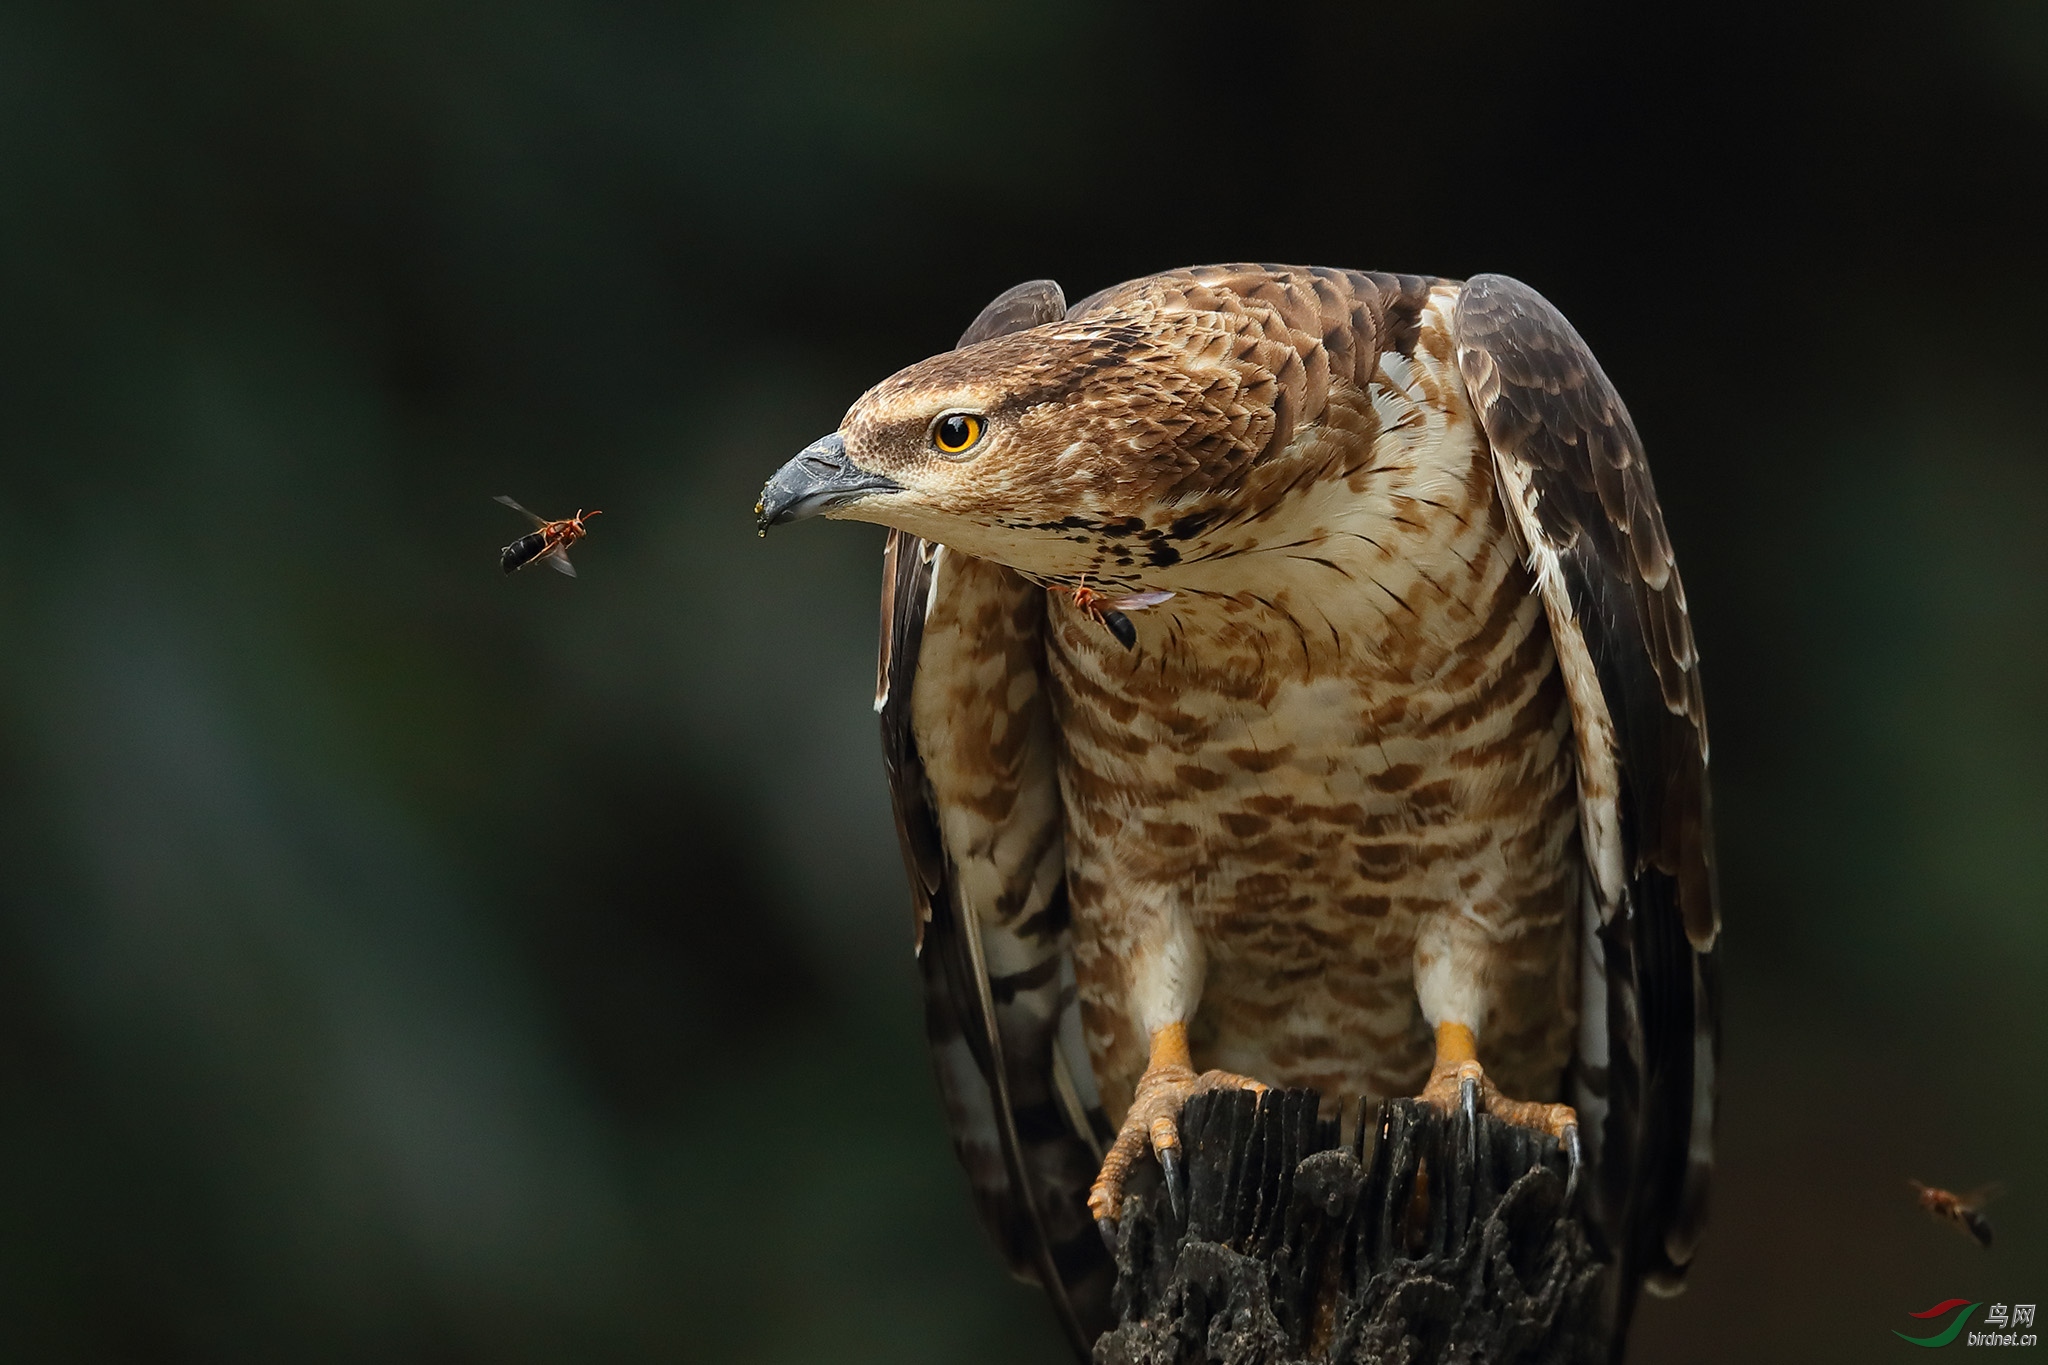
(1086, 445)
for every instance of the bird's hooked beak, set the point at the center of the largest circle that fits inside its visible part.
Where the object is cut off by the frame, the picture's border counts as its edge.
(820, 479)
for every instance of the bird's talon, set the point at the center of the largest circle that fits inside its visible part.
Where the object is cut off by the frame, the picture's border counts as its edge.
(1107, 1227)
(1468, 1105)
(1459, 1086)
(1573, 1159)
(1168, 1083)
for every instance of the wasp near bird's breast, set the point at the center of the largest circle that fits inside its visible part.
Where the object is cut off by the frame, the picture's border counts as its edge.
(549, 540)
(1108, 612)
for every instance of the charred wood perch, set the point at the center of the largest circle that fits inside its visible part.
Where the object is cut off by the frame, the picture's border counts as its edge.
(1429, 1239)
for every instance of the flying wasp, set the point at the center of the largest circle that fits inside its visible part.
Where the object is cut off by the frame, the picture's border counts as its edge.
(550, 540)
(1108, 612)
(1963, 1210)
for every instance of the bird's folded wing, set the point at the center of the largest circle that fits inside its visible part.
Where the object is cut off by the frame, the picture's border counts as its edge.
(1571, 471)
(968, 745)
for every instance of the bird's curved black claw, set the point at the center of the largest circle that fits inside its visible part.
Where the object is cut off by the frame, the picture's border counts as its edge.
(1107, 1227)
(1574, 1158)
(1176, 1179)
(1468, 1106)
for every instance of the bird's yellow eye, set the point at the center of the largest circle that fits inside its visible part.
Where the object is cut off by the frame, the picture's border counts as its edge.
(956, 432)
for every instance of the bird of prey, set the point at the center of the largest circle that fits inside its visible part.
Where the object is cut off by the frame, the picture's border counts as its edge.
(1286, 681)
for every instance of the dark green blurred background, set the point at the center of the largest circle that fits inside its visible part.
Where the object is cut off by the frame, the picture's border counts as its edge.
(399, 963)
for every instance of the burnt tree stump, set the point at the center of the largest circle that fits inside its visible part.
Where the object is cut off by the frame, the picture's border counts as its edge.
(1426, 1240)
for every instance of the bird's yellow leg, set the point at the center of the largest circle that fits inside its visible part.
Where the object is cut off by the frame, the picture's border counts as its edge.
(1457, 1080)
(1457, 1061)
(1168, 1083)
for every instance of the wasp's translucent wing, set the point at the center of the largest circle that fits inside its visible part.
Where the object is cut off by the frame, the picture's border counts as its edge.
(537, 520)
(559, 560)
(1983, 1194)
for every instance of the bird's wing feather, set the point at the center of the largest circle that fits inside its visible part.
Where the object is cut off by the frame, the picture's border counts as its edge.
(967, 742)
(1571, 471)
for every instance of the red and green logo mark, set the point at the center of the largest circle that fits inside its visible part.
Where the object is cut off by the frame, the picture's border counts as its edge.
(1948, 1333)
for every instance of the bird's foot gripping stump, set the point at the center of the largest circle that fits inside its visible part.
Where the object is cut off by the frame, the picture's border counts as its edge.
(1429, 1240)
